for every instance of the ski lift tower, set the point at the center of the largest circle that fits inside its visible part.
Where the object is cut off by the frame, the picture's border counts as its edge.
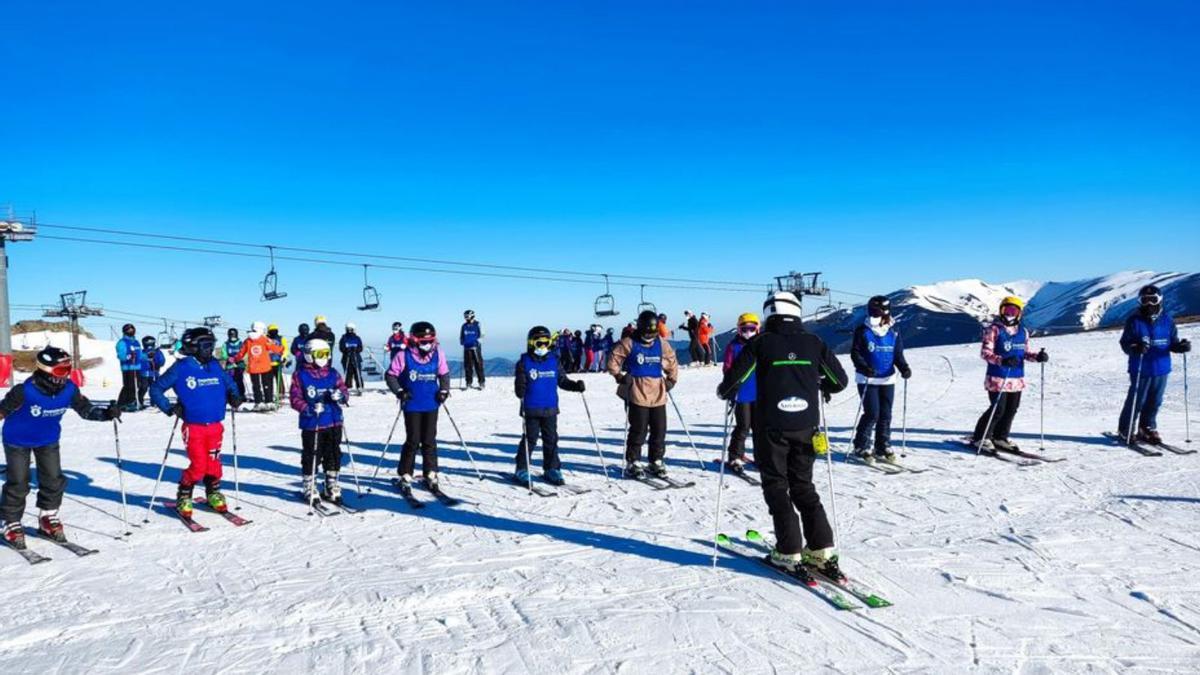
(211, 322)
(12, 228)
(73, 306)
(802, 284)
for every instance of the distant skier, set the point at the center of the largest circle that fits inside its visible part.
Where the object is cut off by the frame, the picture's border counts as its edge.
(318, 394)
(420, 378)
(1149, 338)
(396, 342)
(537, 379)
(33, 412)
(470, 336)
(664, 330)
(704, 334)
(278, 361)
(1006, 348)
(562, 344)
(322, 331)
(297, 346)
(878, 354)
(129, 355)
(256, 353)
(793, 369)
(692, 325)
(743, 401)
(646, 369)
(202, 390)
(351, 348)
(235, 368)
(577, 352)
(152, 362)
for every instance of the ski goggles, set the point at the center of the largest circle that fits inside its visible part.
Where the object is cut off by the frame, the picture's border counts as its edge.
(319, 354)
(61, 369)
(1152, 299)
(1010, 311)
(540, 343)
(878, 312)
(748, 329)
(424, 340)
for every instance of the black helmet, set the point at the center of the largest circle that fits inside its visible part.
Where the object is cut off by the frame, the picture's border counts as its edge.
(149, 342)
(423, 331)
(303, 329)
(198, 342)
(397, 326)
(879, 306)
(1150, 300)
(54, 363)
(647, 325)
(469, 314)
(128, 329)
(539, 336)
(232, 333)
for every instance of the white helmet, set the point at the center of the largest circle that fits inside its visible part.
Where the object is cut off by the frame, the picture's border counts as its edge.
(317, 352)
(782, 302)
(259, 327)
(350, 327)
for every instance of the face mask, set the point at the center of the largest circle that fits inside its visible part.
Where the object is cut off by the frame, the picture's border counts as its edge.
(425, 347)
(749, 332)
(875, 321)
(540, 351)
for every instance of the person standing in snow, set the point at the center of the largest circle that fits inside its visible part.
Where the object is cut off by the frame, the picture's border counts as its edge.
(202, 389)
(318, 394)
(743, 401)
(646, 370)
(577, 352)
(351, 347)
(692, 325)
(256, 354)
(1006, 348)
(793, 370)
(420, 378)
(32, 414)
(234, 367)
(704, 333)
(278, 361)
(562, 344)
(152, 361)
(297, 346)
(1149, 338)
(396, 342)
(537, 379)
(878, 354)
(664, 331)
(470, 336)
(129, 355)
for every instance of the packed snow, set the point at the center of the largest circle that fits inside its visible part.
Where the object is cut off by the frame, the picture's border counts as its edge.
(1087, 565)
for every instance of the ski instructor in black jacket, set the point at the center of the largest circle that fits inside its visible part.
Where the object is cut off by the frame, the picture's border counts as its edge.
(793, 368)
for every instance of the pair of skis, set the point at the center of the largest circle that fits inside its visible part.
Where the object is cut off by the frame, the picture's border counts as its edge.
(326, 507)
(755, 548)
(890, 467)
(34, 558)
(1147, 449)
(739, 472)
(406, 493)
(1016, 456)
(662, 482)
(192, 525)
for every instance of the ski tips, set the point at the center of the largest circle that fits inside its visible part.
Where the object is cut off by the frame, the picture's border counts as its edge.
(753, 535)
(722, 538)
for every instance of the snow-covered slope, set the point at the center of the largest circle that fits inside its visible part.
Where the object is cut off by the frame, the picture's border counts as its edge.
(1088, 565)
(108, 369)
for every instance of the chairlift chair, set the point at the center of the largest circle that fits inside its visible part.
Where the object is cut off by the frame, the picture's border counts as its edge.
(606, 305)
(270, 282)
(646, 306)
(370, 295)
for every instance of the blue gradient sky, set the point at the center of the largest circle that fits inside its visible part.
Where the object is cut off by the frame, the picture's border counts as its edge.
(891, 144)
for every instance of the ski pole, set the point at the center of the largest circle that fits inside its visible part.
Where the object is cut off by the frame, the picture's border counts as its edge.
(828, 467)
(525, 449)
(120, 475)
(237, 486)
(162, 467)
(987, 429)
(854, 426)
(1134, 403)
(1187, 416)
(1042, 404)
(462, 442)
(721, 486)
(904, 422)
(686, 430)
(353, 468)
(596, 439)
(386, 445)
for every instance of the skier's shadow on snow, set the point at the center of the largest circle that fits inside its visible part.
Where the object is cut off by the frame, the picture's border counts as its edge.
(1159, 498)
(176, 463)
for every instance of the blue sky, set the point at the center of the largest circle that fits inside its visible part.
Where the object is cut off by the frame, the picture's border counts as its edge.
(886, 145)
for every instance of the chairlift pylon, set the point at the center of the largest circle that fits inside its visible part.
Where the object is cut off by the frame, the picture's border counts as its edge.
(370, 295)
(644, 306)
(605, 304)
(270, 283)
(164, 336)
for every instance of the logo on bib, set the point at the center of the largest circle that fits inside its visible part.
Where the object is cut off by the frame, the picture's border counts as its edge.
(793, 404)
(311, 391)
(870, 346)
(641, 359)
(791, 356)
(412, 375)
(533, 375)
(190, 382)
(35, 410)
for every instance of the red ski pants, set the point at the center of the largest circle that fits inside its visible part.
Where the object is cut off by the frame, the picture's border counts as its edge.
(203, 443)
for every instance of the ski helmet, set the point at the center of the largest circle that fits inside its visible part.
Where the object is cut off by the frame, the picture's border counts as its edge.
(748, 325)
(319, 320)
(303, 329)
(784, 303)
(1011, 309)
(55, 363)
(879, 306)
(469, 314)
(424, 335)
(128, 329)
(273, 330)
(539, 338)
(259, 328)
(232, 333)
(317, 352)
(647, 325)
(149, 342)
(397, 327)
(350, 327)
(198, 342)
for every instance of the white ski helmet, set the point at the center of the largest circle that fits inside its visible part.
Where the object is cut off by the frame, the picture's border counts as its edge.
(259, 327)
(350, 327)
(782, 302)
(317, 352)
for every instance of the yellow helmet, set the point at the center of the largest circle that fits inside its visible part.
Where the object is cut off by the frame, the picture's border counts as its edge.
(748, 317)
(1014, 301)
(272, 327)
(319, 319)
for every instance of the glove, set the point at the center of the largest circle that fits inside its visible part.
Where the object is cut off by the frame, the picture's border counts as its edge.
(670, 385)
(404, 396)
(906, 372)
(869, 371)
(335, 396)
(1182, 347)
(723, 394)
(317, 408)
(176, 410)
(1010, 362)
(1139, 348)
(113, 412)
(441, 396)
(582, 386)
(234, 400)
(1042, 356)
(826, 396)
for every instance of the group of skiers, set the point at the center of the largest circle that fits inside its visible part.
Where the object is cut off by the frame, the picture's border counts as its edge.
(777, 378)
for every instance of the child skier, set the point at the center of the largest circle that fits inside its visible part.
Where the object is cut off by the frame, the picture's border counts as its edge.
(318, 394)
(470, 336)
(297, 346)
(1006, 348)
(420, 378)
(152, 361)
(646, 369)
(536, 382)
(743, 402)
(234, 367)
(396, 342)
(129, 355)
(32, 414)
(1149, 338)
(278, 361)
(201, 390)
(877, 353)
(256, 353)
(704, 331)
(351, 347)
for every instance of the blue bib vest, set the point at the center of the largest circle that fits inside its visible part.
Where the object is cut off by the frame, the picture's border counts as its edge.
(131, 347)
(881, 350)
(541, 390)
(1010, 345)
(420, 380)
(1157, 359)
(201, 390)
(748, 390)
(276, 358)
(39, 421)
(470, 334)
(645, 361)
(316, 390)
(232, 347)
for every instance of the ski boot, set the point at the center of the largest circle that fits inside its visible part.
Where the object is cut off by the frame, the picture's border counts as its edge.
(884, 454)
(14, 534)
(864, 455)
(333, 489)
(984, 445)
(431, 481)
(183, 502)
(1003, 445)
(634, 470)
(736, 465)
(555, 477)
(50, 526)
(309, 491)
(825, 561)
(522, 476)
(212, 495)
(657, 469)
(1149, 436)
(790, 562)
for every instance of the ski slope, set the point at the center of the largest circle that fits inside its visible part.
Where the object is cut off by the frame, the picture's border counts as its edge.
(1088, 565)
